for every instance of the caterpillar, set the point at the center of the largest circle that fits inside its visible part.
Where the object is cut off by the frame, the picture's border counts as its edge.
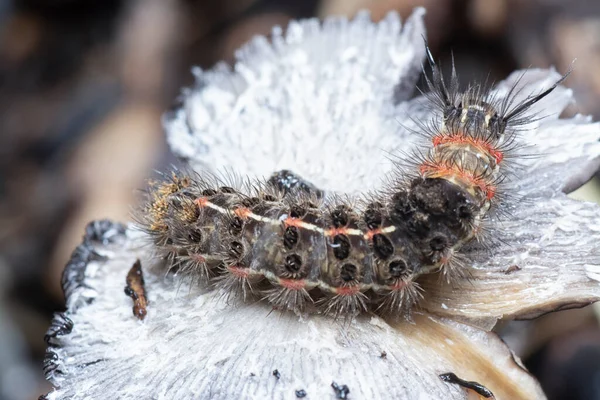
(285, 241)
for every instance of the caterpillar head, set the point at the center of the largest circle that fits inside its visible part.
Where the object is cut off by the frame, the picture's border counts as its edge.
(474, 110)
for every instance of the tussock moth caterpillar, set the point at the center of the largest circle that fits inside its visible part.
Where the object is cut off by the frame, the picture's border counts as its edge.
(286, 242)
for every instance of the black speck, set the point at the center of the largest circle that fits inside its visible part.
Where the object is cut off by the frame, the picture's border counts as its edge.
(276, 374)
(341, 391)
(475, 386)
(301, 393)
(383, 355)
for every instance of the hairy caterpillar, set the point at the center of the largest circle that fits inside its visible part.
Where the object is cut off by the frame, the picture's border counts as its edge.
(284, 241)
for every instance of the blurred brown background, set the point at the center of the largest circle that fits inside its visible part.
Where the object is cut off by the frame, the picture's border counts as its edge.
(83, 85)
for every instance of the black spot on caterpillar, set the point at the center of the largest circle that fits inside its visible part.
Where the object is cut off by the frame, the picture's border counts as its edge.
(284, 241)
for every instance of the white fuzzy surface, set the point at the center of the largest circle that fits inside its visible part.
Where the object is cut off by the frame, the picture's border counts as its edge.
(318, 100)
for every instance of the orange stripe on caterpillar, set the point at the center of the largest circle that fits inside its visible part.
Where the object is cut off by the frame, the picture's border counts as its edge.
(444, 171)
(202, 202)
(343, 231)
(478, 143)
(240, 272)
(299, 223)
(399, 285)
(369, 235)
(347, 290)
(242, 212)
(490, 192)
(292, 284)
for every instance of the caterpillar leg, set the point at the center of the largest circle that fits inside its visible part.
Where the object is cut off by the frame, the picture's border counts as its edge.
(237, 281)
(288, 295)
(346, 303)
(399, 300)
